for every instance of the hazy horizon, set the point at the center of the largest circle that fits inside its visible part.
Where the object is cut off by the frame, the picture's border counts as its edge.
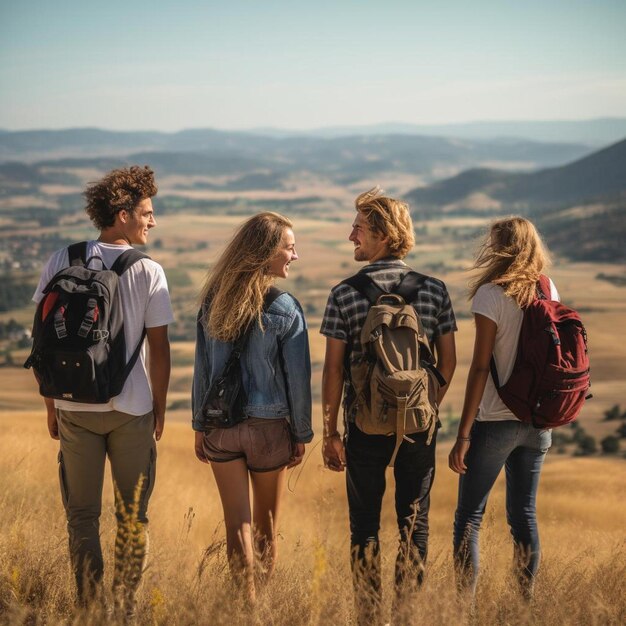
(326, 127)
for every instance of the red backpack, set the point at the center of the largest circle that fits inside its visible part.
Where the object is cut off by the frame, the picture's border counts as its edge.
(550, 379)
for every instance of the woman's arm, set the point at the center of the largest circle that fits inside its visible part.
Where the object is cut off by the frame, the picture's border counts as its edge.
(200, 375)
(198, 388)
(294, 347)
(476, 381)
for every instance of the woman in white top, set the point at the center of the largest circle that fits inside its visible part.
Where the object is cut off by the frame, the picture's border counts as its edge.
(490, 436)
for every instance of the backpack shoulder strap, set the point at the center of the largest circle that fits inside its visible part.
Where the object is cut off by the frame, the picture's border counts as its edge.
(366, 286)
(127, 259)
(410, 284)
(270, 296)
(77, 253)
(544, 288)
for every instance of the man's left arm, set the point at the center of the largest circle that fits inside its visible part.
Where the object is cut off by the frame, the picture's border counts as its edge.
(159, 369)
(445, 351)
(53, 426)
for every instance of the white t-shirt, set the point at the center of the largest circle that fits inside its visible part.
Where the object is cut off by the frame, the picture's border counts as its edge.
(491, 302)
(145, 302)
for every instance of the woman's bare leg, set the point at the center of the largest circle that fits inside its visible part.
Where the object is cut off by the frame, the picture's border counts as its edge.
(232, 482)
(267, 489)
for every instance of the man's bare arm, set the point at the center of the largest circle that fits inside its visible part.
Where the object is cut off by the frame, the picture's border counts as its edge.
(445, 350)
(53, 427)
(332, 389)
(159, 369)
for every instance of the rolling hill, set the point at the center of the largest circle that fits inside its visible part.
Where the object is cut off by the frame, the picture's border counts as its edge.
(582, 202)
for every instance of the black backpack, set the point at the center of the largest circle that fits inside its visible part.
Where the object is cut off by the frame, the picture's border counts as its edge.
(225, 401)
(79, 349)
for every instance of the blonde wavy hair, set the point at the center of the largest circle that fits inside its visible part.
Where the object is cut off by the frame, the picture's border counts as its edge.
(233, 292)
(389, 218)
(512, 256)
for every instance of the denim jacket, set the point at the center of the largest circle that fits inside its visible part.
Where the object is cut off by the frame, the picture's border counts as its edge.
(275, 367)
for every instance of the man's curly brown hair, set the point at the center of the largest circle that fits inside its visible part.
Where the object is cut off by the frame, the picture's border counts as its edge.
(119, 190)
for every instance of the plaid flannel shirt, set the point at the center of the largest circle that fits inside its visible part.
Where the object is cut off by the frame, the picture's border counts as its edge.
(347, 309)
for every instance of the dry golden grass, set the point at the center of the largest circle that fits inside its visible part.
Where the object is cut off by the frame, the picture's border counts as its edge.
(581, 522)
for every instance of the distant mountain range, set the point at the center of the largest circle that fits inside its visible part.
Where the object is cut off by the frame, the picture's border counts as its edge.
(594, 132)
(580, 207)
(343, 159)
(31, 144)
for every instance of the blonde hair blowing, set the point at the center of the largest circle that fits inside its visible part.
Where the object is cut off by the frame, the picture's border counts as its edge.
(512, 256)
(236, 285)
(388, 217)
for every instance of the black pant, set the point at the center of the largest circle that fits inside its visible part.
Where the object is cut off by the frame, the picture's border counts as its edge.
(367, 457)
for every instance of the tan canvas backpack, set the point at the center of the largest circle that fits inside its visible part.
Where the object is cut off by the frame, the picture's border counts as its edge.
(395, 381)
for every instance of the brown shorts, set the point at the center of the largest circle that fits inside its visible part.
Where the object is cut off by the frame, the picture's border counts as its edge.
(265, 444)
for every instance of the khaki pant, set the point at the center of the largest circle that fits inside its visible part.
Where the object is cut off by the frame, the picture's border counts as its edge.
(87, 438)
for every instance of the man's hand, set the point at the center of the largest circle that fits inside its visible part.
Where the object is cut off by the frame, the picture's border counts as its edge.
(159, 424)
(333, 453)
(199, 448)
(297, 455)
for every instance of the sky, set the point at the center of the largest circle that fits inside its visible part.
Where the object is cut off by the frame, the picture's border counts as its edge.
(141, 64)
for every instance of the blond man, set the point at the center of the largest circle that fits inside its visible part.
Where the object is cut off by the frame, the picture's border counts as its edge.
(382, 234)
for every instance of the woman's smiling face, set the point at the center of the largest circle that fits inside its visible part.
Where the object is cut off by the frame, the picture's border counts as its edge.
(286, 253)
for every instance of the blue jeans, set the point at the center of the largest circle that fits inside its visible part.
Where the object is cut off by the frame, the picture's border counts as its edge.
(521, 448)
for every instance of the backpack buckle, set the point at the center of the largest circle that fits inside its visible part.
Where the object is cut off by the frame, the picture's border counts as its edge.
(555, 337)
(100, 335)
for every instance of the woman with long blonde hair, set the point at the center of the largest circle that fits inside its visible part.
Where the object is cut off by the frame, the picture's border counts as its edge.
(275, 377)
(509, 266)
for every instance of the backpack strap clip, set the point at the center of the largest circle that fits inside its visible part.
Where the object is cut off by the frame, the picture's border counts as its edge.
(90, 318)
(555, 337)
(59, 323)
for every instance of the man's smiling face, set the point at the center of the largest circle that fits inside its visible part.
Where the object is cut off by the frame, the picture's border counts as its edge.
(136, 225)
(368, 245)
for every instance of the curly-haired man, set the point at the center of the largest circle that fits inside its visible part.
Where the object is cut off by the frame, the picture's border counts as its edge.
(125, 427)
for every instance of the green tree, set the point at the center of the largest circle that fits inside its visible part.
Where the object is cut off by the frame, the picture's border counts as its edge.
(579, 434)
(612, 414)
(586, 445)
(8, 358)
(610, 445)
